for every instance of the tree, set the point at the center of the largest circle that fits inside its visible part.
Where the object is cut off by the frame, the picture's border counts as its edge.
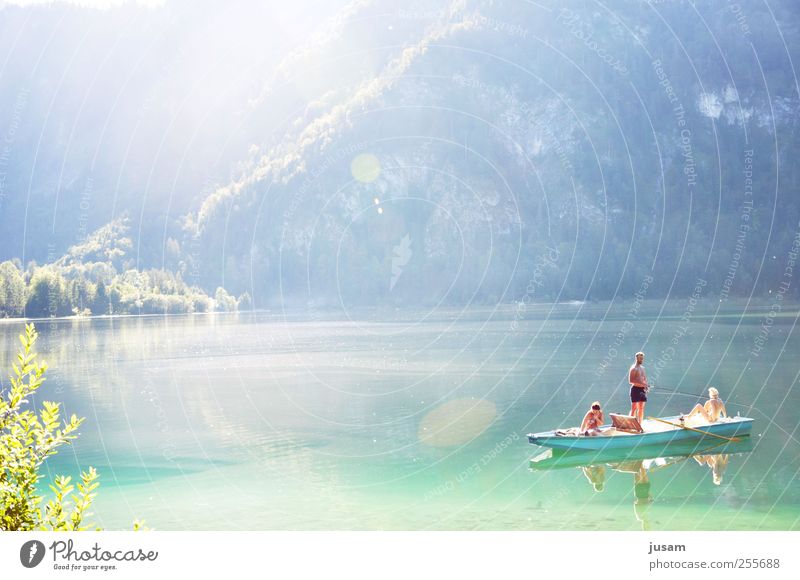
(223, 301)
(115, 300)
(244, 302)
(46, 295)
(27, 439)
(81, 295)
(101, 303)
(12, 290)
(199, 303)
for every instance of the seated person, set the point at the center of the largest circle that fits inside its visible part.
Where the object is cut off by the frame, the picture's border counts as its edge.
(712, 410)
(592, 421)
(596, 474)
(717, 463)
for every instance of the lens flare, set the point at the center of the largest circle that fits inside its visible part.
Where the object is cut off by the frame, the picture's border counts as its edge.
(456, 422)
(365, 168)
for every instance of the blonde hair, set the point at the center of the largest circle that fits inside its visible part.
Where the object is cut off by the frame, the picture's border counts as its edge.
(714, 393)
(638, 353)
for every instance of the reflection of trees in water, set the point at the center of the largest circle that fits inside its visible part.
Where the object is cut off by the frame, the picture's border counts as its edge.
(175, 390)
(204, 364)
(112, 364)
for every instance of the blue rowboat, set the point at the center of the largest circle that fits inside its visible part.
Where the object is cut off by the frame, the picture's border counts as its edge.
(655, 433)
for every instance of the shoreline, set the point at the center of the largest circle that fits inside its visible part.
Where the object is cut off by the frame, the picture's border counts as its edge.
(748, 308)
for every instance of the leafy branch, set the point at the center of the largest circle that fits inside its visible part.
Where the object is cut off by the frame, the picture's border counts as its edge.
(27, 439)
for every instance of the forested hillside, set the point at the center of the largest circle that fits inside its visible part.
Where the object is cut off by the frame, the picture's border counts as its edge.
(97, 277)
(402, 154)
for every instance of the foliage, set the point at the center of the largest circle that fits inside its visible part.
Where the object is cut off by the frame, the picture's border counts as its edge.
(224, 302)
(244, 302)
(630, 171)
(46, 294)
(74, 285)
(12, 290)
(60, 519)
(27, 439)
(109, 244)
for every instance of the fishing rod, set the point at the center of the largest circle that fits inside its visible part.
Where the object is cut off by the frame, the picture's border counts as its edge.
(659, 389)
(750, 408)
(667, 391)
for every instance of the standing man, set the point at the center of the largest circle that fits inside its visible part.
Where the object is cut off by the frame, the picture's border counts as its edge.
(638, 380)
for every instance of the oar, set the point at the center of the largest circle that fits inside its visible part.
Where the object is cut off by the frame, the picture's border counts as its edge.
(733, 439)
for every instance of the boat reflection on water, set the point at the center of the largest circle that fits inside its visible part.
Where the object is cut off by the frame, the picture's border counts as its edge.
(641, 463)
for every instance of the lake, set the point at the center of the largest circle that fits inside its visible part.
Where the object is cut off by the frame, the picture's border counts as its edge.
(397, 419)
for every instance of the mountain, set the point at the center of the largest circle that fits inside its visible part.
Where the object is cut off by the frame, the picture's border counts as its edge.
(406, 154)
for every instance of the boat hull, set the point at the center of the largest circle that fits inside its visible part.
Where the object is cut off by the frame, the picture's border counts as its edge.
(733, 427)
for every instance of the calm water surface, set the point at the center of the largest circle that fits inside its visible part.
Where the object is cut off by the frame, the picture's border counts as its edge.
(416, 420)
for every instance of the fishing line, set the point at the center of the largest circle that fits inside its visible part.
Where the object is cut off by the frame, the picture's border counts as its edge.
(750, 408)
(659, 390)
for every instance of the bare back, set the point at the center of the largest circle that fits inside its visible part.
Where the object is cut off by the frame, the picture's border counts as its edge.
(715, 408)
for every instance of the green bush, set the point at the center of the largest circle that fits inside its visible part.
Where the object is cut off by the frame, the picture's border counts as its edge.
(27, 439)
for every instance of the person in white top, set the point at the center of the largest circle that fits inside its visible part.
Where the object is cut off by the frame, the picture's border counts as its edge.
(638, 380)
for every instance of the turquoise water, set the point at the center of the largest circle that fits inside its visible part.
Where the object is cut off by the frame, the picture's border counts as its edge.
(417, 420)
